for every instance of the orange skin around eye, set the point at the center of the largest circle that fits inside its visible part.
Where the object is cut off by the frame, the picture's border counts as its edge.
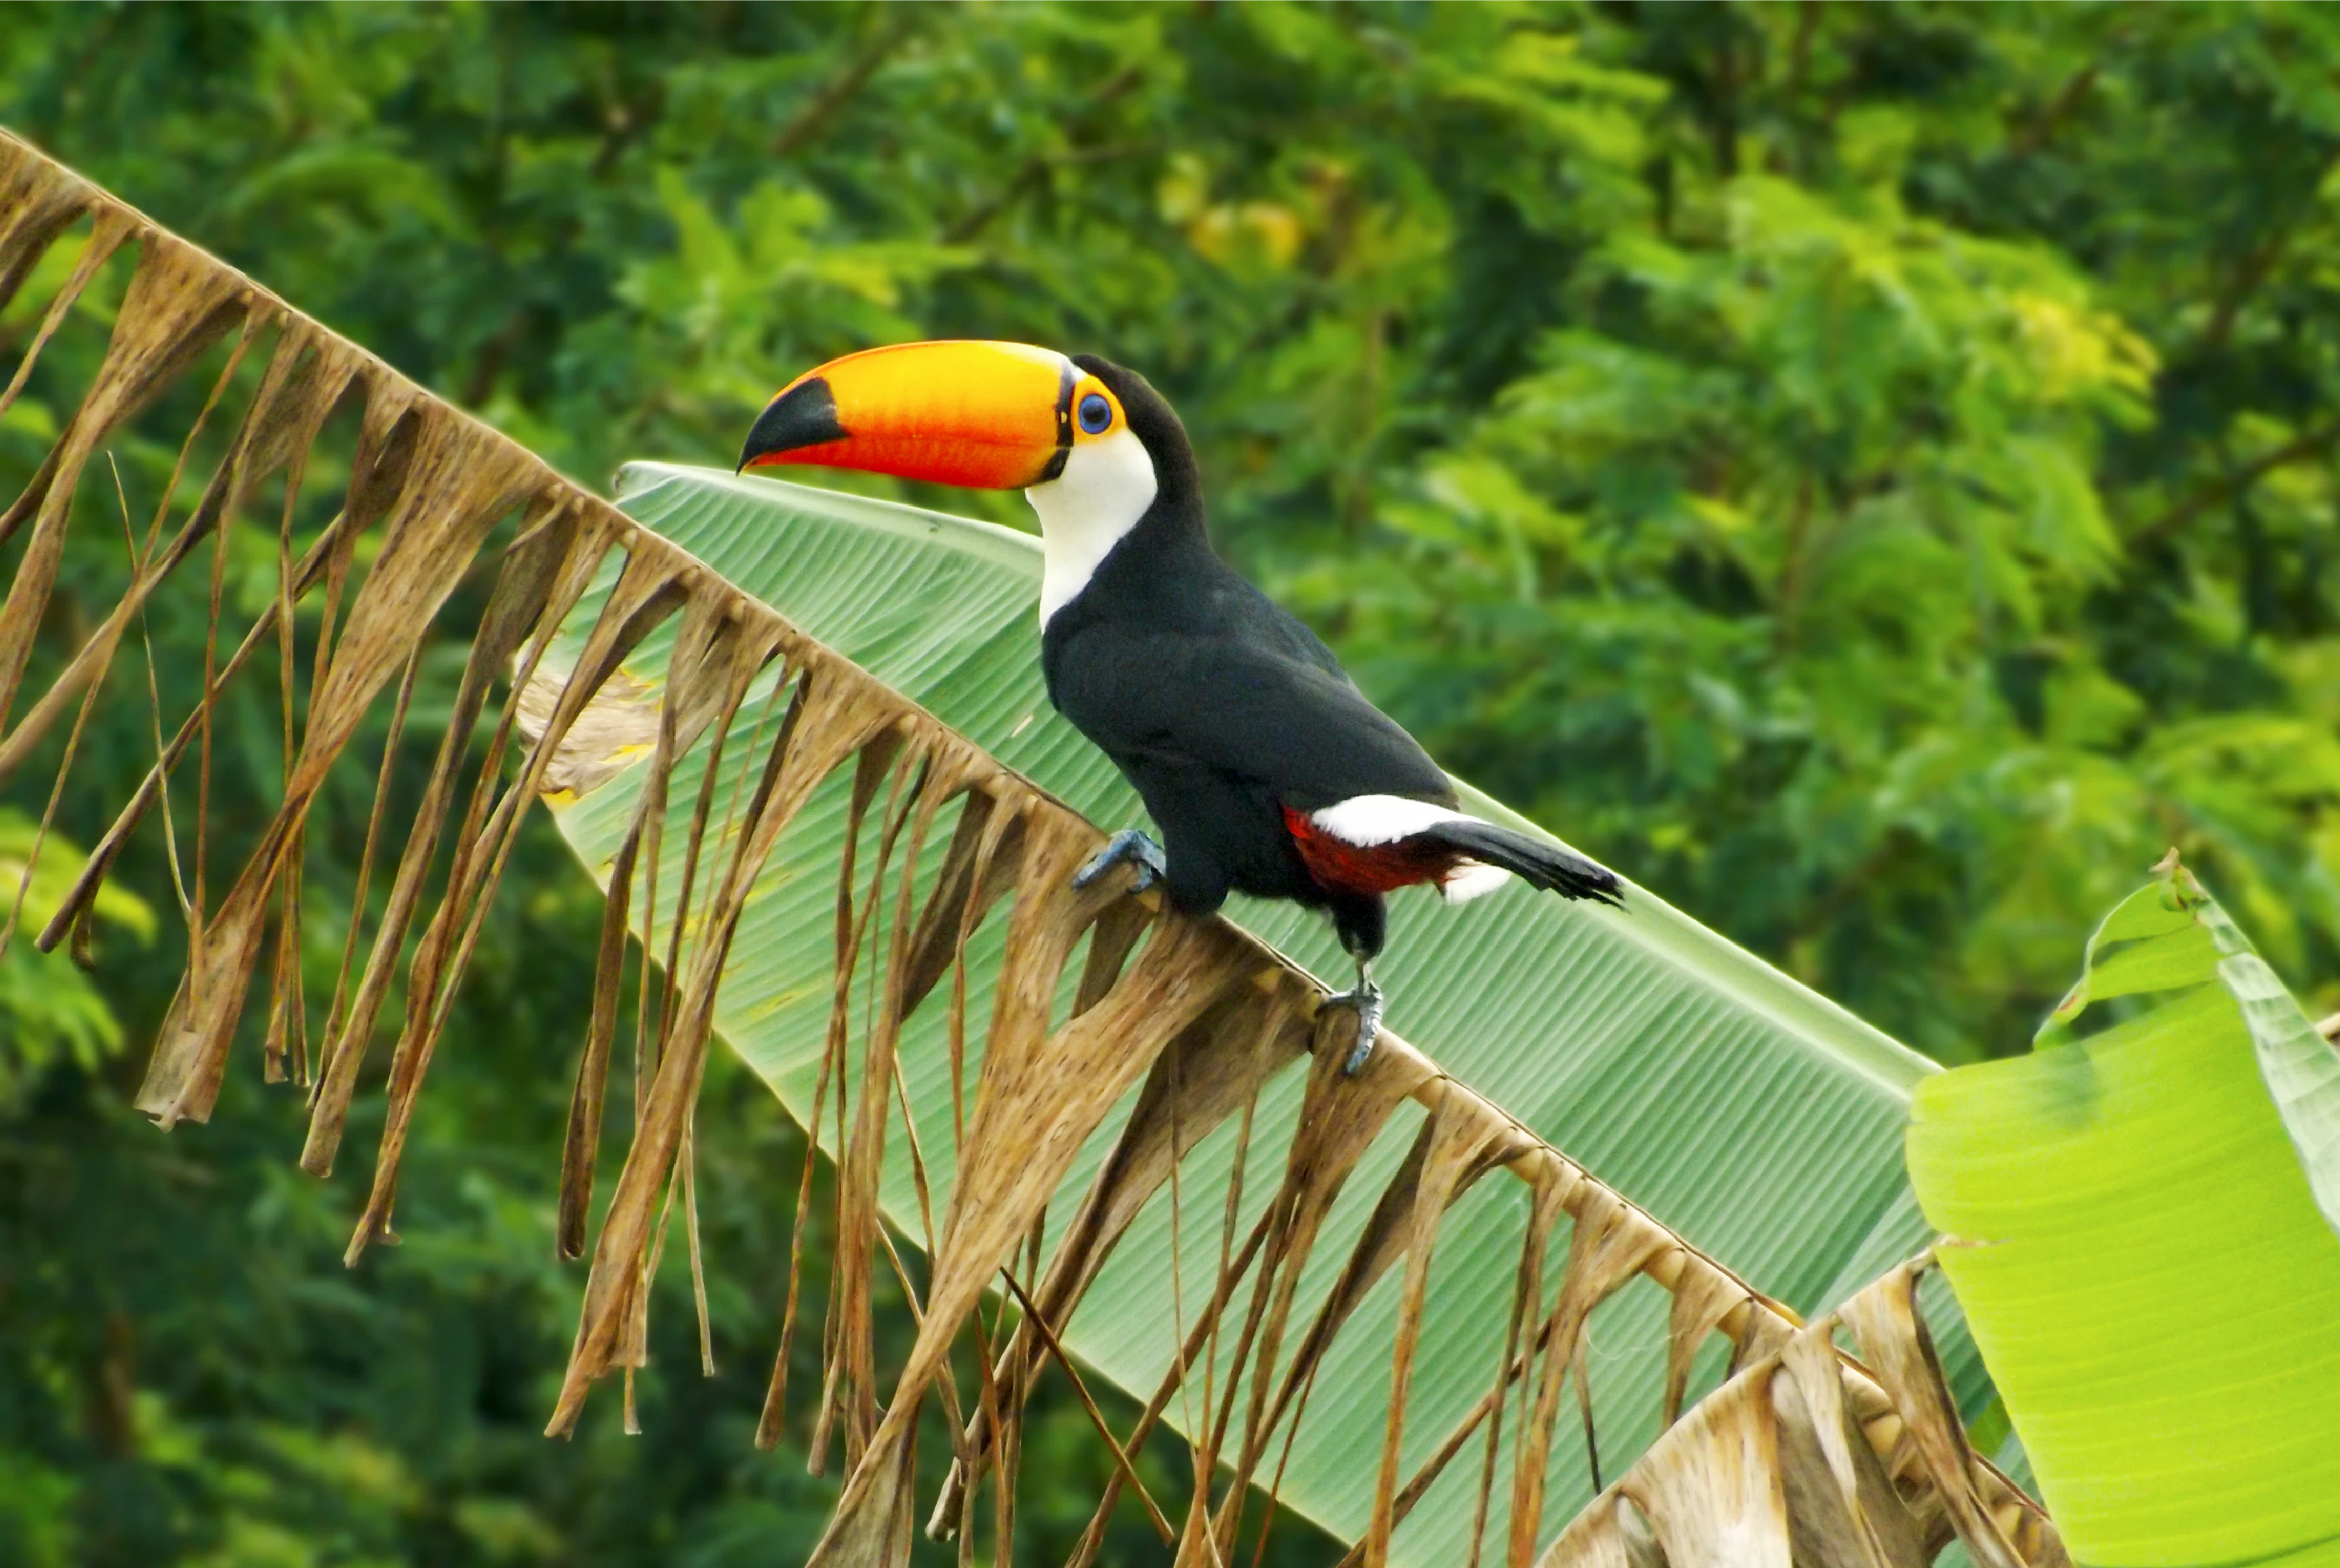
(1091, 400)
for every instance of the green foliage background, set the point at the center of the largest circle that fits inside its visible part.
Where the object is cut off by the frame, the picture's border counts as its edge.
(1865, 471)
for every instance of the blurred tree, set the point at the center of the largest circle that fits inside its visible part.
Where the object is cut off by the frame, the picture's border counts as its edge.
(1864, 471)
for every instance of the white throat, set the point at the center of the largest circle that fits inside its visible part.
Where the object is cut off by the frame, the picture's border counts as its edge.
(1086, 511)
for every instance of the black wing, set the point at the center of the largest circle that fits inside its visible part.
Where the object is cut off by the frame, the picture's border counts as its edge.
(1261, 715)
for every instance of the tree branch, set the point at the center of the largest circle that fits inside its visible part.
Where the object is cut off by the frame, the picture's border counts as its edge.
(2042, 130)
(846, 85)
(1800, 52)
(2256, 266)
(1035, 167)
(2311, 443)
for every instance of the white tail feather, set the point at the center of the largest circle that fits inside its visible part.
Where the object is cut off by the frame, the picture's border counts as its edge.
(1471, 880)
(1365, 820)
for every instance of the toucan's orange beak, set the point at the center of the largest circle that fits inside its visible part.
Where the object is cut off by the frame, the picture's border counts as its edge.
(985, 416)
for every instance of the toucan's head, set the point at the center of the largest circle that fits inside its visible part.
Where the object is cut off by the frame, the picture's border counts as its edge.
(1091, 444)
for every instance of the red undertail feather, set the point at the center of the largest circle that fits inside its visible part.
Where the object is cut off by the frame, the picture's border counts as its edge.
(1344, 867)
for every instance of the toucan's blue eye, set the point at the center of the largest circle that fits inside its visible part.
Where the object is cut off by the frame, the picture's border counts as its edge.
(1095, 413)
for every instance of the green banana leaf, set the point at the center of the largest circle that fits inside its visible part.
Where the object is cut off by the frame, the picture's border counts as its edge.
(1754, 1116)
(2135, 1235)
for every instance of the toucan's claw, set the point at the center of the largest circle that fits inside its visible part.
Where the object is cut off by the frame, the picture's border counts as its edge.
(1131, 845)
(1367, 1000)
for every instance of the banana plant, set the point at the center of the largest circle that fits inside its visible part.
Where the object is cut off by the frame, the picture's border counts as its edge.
(2139, 1221)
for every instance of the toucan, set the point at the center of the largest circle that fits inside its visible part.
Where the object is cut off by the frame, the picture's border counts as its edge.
(1265, 768)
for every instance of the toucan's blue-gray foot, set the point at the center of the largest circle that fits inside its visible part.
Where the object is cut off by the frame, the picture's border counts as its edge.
(1133, 845)
(1367, 1000)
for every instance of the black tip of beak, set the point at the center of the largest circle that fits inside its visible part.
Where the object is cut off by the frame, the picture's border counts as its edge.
(804, 416)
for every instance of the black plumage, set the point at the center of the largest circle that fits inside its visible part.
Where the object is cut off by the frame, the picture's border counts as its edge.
(1222, 710)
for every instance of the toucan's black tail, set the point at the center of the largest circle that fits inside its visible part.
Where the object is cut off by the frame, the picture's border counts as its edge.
(1531, 860)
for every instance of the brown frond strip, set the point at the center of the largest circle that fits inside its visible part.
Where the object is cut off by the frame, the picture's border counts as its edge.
(179, 302)
(1073, 1373)
(1217, 1067)
(284, 419)
(30, 225)
(539, 579)
(1339, 1120)
(1775, 1467)
(1699, 1305)
(1842, 1504)
(1884, 1319)
(851, 1352)
(1800, 1456)
(715, 660)
(75, 906)
(1039, 1097)
(1610, 1243)
(1714, 1495)
(1545, 1191)
(1454, 1154)
(829, 727)
(38, 202)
